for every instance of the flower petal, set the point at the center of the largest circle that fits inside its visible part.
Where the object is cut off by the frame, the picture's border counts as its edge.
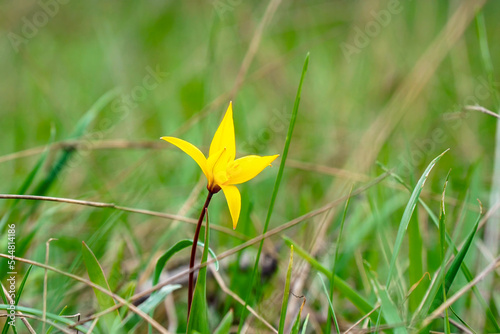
(217, 166)
(246, 168)
(233, 199)
(192, 151)
(224, 136)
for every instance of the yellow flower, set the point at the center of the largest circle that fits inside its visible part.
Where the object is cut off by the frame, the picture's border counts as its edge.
(221, 169)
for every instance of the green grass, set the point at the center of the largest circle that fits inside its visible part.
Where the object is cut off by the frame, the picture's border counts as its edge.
(85, 98)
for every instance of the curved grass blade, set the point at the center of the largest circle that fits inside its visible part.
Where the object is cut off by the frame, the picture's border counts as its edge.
(286, 294)
(180, 245)
(410, 207)
(198, 318)
(277, 183)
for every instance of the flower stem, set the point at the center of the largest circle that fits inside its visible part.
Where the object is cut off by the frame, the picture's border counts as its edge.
(193, 251)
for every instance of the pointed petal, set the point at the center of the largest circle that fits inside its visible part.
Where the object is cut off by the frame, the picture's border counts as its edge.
(192, 151)
(224, 136)
(246, 168)
(233, 199)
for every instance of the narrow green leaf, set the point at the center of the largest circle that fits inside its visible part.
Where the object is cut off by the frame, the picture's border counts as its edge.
(225, 324)
(23, 282)
(462, 321)
(198, 318)
(412, 203)
(332, 311)
(97, 276)
(180, 245)
(455, 265)
(276, 185)
(286, 294)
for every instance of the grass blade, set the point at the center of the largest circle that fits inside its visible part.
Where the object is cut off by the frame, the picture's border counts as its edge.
(296, 324)
(180, 245)
(332, 311)
(304, 327)
(456, 264)
(405, 220)
(286, 294)
(442, 242)
(276, 184)
(18, 296)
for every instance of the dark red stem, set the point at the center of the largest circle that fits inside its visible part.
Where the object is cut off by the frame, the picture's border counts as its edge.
(193, 251)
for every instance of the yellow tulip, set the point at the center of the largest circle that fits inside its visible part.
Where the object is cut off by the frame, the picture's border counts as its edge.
(221, 168)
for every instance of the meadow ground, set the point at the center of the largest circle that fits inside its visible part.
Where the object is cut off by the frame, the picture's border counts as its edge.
(87, 89)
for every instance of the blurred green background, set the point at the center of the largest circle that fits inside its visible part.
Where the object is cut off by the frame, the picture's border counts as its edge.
(388, 81)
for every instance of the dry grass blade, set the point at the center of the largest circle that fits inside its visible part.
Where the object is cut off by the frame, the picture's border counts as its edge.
(122, 208)
(360, 320)
(483, 110)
